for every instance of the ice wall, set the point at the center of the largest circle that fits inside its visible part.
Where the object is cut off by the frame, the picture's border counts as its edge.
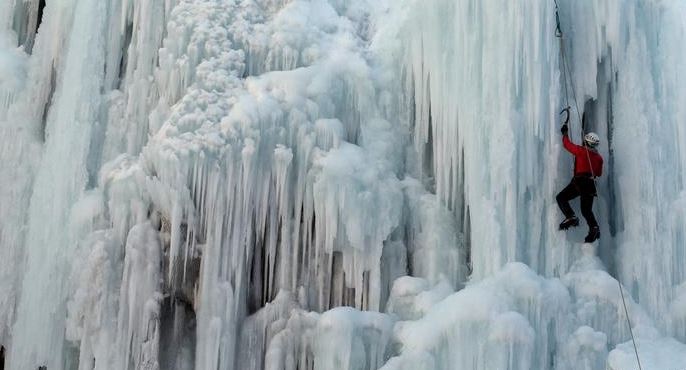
(486, 85)
(481, 86)
(203, 184)
(499, 88)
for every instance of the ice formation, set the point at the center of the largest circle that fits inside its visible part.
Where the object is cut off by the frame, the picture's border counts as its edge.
(337, 184)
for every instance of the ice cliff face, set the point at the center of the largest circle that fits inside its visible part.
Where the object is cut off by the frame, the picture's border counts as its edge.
(337, 184)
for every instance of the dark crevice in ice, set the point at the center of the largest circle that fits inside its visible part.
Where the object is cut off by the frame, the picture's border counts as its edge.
(258, 279)
(598, 117)
(46, 109)
(39, 18)
(261, 279)
(184, 274)
(428, 159)
(468, 241)
(177, 334)
(123, 63)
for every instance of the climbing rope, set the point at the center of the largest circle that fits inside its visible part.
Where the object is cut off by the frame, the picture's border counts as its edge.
(566, 76)
(566, 73)
(628, 321)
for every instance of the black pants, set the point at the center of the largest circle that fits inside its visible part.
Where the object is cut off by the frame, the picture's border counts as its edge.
(580, 186)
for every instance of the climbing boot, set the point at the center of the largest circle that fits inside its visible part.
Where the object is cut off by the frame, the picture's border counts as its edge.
(593, 234)
(569, 222)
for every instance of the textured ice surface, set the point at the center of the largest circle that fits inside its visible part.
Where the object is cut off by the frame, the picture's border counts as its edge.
(329, 184)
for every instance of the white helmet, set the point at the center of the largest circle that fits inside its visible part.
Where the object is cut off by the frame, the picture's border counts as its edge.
(592, 139)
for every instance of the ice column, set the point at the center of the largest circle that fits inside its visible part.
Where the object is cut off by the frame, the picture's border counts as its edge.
(38, 338)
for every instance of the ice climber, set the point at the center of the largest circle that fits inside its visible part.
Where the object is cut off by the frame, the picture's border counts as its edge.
(588, 165)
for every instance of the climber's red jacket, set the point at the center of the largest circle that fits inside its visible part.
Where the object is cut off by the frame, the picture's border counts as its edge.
(584, 159)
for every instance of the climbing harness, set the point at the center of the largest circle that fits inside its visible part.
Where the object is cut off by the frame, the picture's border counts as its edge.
(566, 73)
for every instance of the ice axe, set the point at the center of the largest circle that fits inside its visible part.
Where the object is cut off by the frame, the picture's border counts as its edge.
(566, 110)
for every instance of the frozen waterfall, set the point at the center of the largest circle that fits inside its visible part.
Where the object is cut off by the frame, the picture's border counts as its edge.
(338, 185)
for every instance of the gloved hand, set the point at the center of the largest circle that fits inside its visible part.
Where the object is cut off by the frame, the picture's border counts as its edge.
(564, 130)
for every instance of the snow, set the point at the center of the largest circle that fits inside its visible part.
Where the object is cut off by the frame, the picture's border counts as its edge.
(663, 353)
(493, 312)
(337, 184)
(411, 297)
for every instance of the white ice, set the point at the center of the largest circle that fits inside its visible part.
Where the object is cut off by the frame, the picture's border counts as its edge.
(338, 184)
